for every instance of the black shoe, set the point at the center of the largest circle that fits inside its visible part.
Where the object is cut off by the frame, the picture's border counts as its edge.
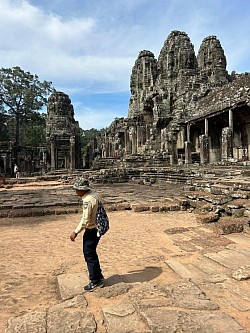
(92, 286)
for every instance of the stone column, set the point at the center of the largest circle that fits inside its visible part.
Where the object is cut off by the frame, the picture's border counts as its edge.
(226, 144)
(44, 161)
(126, 142)
(230, 119)
(206, 127)
(5, 164)
(132, 137)
(204, 153)
(72, 153)
(188, 157)
(53, 152)
(188, 132)
(174, 154)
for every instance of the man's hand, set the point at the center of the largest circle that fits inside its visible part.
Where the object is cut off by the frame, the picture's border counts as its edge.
(73, 236)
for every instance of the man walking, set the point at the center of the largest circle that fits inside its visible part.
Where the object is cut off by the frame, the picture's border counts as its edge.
(91, 236)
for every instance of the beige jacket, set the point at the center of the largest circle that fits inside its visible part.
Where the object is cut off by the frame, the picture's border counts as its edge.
(89, 209)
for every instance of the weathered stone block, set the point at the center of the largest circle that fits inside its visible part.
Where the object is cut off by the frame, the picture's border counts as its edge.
(61, 211)
(37, 212)
(155, 209)
(207, 218)
(30, 322)
(4, 213)
(140, 208)
(123, 206)
(241, 273)
(238, 212)
(20, 213)
(123, 318)
(227, 225)
(48, 211)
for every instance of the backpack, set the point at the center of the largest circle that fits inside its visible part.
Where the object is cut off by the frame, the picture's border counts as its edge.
(102, 220)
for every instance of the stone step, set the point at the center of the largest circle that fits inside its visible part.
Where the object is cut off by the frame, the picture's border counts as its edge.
(216, 281)
(228, 258)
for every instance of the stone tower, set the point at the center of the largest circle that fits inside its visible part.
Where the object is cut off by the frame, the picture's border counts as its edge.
(212, 62)
(62, 134)
(142, 81)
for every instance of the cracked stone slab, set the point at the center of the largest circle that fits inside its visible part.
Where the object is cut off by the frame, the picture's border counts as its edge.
(228, 258)
(187, 295)
(78, 301)
(34, 322)
(66, 317)
(71, 285)
(172, 321)
(184, 294)
(66, 321)
(114, 290)
(123, 318)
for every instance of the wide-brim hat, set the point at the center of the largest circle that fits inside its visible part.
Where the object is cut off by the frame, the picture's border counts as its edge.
(81, 184)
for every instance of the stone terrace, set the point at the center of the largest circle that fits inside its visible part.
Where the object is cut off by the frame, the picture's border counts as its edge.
(216, 194)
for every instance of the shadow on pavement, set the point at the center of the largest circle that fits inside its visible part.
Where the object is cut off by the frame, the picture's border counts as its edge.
(143, 275)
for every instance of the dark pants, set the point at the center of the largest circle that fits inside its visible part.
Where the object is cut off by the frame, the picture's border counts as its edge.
(90, 242)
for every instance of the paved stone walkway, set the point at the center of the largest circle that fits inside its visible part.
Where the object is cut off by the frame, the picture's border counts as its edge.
(206, 296)
(135, 303)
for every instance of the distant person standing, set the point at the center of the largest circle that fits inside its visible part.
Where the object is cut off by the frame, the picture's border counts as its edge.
(16, 171)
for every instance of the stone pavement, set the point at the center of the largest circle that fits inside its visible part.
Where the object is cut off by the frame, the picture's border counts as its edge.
(191, 304)
(208, 294)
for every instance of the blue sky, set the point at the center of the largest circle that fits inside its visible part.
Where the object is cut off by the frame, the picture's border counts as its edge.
(87, 48)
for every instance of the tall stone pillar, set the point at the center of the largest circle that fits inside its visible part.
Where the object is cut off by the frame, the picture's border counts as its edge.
(230, 119)
(5, 164)
(126, 142)
(188, 132)
(226, 144)
(53, 152)
(206, 126)
(188, 157)
(72, 153)
(174, 154)
(133, 139)
(204, 149)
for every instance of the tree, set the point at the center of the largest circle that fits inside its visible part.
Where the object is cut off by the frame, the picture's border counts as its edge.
(3, 128)
(21, 93)
(35, 130)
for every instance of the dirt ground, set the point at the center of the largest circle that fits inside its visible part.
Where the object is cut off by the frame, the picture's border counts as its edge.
(35, 251)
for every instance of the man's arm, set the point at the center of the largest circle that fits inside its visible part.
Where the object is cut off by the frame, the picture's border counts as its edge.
(85, 218)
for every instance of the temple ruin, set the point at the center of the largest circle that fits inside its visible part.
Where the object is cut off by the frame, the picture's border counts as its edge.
(63, 150)
(183, 109)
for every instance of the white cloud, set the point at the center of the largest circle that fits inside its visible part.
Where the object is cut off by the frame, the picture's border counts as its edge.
(91, 46)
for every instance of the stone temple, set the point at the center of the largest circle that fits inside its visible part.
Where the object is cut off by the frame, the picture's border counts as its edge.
(183, 109)
(63, 150)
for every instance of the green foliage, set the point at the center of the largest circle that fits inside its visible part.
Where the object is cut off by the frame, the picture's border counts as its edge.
(3, 128)
(87, 137)
(21, 93)
(35, 130)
